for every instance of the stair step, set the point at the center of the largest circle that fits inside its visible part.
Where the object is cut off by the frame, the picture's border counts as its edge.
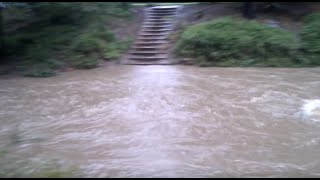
(151, 44)
(162, 9)
(147, 47)
(165, 7)
(161, 14)
(159, 17)
(151, 38)
(155, 30)
(139, 43)
(157, 14)
(149, 58)
(157, 22)
(156, 27)
(147, 53)
(153, 34)
(159, 27)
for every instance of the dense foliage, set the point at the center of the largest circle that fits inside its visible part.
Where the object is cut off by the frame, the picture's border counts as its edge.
(44, 36)
(311, 38)
(238, 43)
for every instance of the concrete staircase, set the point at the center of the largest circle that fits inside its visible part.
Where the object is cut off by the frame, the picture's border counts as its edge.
(151, 45)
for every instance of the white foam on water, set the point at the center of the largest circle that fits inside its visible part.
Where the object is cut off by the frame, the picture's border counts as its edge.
(311, 108)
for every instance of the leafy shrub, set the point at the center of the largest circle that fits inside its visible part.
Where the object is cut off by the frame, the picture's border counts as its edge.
(310, 36)
(114, 50)
(39, 70)
(86, 44)
(311, 33)
(98, 42)
(84, 62)
(76, 33)
(236, 41)
(111, 54)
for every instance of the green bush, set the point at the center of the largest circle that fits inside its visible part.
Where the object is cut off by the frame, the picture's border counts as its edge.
(95, 43)
(310, 36)
(229, 42)
(39, 70)
(84, 62)
(111, 54)
(89, 46)
(86, 44)
(114, 50)
(75, 33)
(311, 33)
(43, 68)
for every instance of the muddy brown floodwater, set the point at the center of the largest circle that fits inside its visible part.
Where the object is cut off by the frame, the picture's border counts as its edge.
(168, 121)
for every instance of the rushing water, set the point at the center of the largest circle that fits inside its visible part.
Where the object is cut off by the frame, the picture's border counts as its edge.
(168, 121)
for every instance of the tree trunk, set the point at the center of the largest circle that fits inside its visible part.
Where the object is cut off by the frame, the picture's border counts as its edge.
(249, 10)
